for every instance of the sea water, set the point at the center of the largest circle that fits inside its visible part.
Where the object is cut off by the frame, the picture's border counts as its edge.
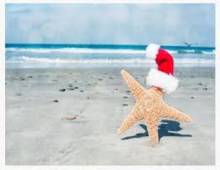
(71, 55)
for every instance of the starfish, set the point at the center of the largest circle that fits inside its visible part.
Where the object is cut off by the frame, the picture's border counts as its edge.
(149, 107)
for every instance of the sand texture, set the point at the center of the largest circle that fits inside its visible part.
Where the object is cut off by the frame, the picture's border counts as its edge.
(70, 117)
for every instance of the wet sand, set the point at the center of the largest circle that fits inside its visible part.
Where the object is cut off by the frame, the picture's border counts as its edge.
(70, 117)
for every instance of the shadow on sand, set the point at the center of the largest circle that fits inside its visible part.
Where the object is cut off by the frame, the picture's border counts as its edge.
(163, 130)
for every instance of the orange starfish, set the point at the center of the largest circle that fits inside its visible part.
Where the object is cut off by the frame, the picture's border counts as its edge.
(149, 107)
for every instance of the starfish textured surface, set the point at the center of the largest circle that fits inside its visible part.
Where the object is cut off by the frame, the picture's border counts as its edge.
(149, 107)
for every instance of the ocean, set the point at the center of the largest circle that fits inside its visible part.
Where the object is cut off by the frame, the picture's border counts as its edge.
(70, 55)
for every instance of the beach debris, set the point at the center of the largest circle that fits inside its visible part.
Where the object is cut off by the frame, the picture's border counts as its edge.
(205, 88)
(18, 94)
(76, 87)
(100, 79)
(149, 107)
(125, 97)
(81, 91)
(55, 101)
(70, 85)
(128, 91)
(125, 104)
(71, 88)
(30, 77)
(192, 97)
(62, 90)
(22, 78)
(200, 84)
(69, 117)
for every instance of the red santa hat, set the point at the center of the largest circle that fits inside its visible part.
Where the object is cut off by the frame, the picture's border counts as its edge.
(163, 76)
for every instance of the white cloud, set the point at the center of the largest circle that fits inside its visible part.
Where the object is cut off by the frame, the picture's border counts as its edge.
(116, 23)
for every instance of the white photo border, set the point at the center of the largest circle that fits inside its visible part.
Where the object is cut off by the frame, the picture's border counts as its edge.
(2, 85)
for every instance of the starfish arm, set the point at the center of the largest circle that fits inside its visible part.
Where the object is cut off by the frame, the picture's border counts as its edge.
(136, 88)
(173, 113)
(152, 131)
(129, 121)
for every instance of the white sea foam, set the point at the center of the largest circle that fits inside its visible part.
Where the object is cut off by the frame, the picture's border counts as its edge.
(172, 51)
(65, 56)
(208, 52)
(79, 61)
(96, 51)
(77, 50)
(178, 62)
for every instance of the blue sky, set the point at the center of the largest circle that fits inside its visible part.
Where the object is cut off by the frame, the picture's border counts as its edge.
(165, 24)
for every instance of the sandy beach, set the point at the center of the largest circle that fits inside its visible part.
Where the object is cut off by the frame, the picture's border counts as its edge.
(70, 117)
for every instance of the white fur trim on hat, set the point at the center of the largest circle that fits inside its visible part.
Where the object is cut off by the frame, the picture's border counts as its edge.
(152, 50)
(168, 83)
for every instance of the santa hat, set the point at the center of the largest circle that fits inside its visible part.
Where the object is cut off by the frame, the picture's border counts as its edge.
(163, 76)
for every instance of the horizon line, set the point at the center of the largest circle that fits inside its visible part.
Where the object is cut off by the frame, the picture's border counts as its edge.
(189, 45)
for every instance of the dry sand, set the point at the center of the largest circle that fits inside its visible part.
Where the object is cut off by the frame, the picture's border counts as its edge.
(70, 117)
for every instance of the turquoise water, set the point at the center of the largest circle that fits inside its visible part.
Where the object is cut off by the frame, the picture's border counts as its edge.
(99, 54)
(108, 46)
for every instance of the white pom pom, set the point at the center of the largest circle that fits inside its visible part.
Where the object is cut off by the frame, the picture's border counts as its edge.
(152, 50)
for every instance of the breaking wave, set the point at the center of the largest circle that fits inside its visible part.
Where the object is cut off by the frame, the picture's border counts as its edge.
(178, 61)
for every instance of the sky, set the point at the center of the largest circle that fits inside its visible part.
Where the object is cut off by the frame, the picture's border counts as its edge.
(165, 24)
